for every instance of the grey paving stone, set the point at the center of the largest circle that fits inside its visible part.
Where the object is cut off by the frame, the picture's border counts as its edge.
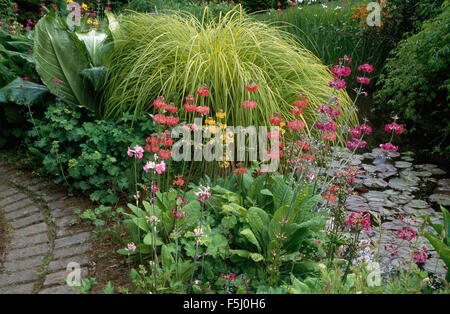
(19, 289)
(61, 264)
(17, 254)
(21, 212)
(24, 241)
(11, 173)
(3, 187)
(37, 187)
(71, 251)
(18, 277)
(72, 240)
(7, 193)
(30, 230)
(30, 220)
(17, 205)
(59, 290)
(28, 263)
(65, 221)
(53, 196)
(58, 278)
(59, 210)
(12, 199)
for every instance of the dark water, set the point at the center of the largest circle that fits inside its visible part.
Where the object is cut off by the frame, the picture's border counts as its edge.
(407, 142)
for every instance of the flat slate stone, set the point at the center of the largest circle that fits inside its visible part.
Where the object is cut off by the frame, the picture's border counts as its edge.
(71, 251)
(15, 206)
(8, 192)
(12, 199)
(33, 229)
(58, 278)
(18, 277)
(21, 241)
(30, 220)
(72, 240)
(18, 289)
(17, 254)
(30, 262)
(61, 264)
(21, 212)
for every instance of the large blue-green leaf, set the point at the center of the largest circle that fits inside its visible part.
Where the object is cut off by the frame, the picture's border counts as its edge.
(22, 93)
(61, 55)
(93, 41)
(96, 76)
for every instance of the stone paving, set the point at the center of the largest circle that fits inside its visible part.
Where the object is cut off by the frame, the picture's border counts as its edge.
(396, 189)
(41, 241)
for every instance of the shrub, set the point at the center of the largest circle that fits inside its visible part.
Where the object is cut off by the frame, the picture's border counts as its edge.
(416, 82)
(260, 5)
(87, 156)
(151, 59)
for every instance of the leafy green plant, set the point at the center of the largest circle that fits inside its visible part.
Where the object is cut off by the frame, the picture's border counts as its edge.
(441, 241)
(416, 83)
(150, 59)
(69, 62)
(261, 5)
(87, 156)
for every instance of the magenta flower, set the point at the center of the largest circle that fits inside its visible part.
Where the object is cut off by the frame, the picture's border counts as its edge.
(366, 68)
(389, 147)
(363, 80)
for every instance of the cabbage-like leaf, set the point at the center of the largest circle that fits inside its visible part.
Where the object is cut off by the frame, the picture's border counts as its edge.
(22, 93)
(61, 55)
(94, 45)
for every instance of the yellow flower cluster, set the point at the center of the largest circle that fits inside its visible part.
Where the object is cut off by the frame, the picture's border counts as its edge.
(92, 22)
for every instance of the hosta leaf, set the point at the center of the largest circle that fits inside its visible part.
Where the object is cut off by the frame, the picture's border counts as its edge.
(22, 93)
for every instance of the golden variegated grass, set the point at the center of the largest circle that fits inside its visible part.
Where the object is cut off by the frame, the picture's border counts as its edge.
(174, 54)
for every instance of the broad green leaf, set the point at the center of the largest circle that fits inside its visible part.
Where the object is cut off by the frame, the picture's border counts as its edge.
(22, 93)
(96, 76)
(441, 248)
(250, 236)
(259, 220)
(298, 287)
(61, 55)
(256, 257)
(93, 41)
(137, 211)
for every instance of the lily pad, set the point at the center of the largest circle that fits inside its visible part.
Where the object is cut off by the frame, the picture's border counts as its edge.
(402, 185)
(444, 182)
(369, 168)
(407, 158)
(401, 198)
(375, 183)
(418, 204)
(437, 171)
(375, 196)
(403, 164)
(441, 199)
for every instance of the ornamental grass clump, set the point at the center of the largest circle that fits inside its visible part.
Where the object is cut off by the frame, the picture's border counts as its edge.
(173, 55)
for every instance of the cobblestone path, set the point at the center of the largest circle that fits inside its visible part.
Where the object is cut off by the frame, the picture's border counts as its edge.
(40, 240)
